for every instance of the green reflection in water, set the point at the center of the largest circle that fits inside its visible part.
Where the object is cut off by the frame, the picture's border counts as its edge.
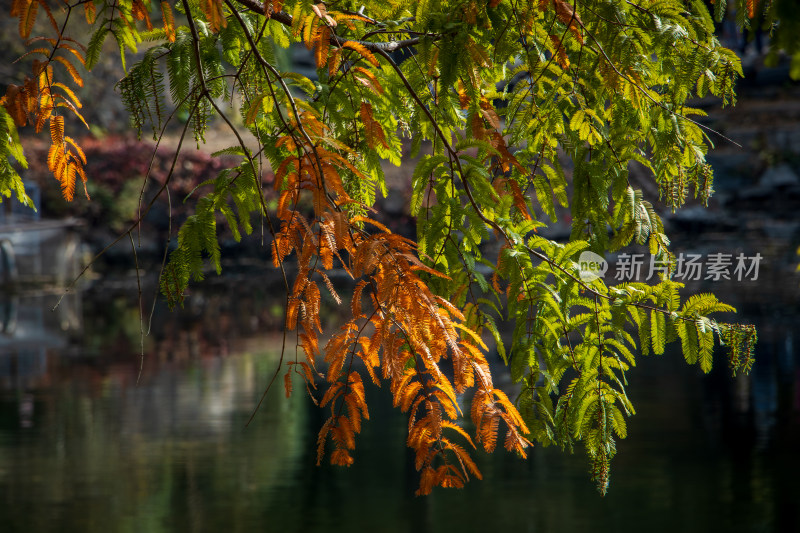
(169, 454)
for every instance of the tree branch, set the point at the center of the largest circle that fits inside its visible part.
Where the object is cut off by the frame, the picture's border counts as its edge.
(286, 19)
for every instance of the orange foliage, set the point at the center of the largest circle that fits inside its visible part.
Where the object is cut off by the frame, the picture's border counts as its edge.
(401, 336)
(39, 100)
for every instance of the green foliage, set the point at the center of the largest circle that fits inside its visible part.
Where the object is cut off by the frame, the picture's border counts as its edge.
(235, 196)
(11, 151)
(782, 20)
(142, 92)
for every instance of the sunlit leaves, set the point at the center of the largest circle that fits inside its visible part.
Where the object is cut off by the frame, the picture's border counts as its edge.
(510, 112)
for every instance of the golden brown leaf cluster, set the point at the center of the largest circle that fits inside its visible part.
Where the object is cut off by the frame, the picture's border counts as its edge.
(41, 100)
(399, 331)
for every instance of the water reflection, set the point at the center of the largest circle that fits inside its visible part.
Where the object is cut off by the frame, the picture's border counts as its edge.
(93, 451)
(29, 330)
(83, 447)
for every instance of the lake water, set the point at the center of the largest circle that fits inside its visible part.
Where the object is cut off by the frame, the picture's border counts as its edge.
(92, 438)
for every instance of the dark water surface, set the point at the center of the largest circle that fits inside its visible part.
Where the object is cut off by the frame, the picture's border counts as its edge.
(83, 447)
